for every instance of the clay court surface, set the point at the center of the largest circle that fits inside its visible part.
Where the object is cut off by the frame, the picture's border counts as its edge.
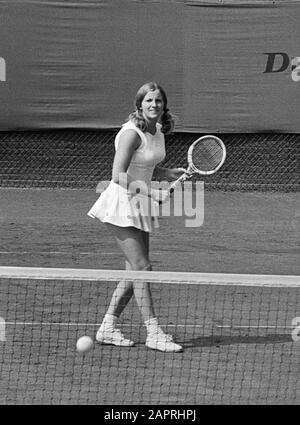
(247, 233)
(242, 233)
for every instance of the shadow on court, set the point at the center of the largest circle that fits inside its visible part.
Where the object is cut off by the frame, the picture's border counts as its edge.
(233, 340)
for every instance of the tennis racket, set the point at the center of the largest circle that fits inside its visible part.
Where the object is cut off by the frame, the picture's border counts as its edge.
(205, 156)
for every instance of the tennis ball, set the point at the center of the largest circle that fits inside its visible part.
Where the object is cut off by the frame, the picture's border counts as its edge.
(84, 344)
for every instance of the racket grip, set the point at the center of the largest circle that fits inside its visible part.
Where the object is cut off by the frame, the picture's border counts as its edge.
(177, 182)
(173, 186)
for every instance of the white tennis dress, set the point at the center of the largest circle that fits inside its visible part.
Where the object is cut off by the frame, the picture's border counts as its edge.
(116, 205)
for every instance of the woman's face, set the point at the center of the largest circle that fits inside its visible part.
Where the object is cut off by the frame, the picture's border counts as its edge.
(152, 106)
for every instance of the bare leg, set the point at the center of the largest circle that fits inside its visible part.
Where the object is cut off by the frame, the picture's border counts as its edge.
(121, 296)
(135, 245)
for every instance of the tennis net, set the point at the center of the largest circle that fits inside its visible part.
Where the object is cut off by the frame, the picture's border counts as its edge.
(240, 335)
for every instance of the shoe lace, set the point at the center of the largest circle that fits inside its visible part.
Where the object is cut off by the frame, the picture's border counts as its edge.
(118, 333)
(165, 336)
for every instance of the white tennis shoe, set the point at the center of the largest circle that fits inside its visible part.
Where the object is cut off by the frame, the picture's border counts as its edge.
(162, 342)
(113, 336)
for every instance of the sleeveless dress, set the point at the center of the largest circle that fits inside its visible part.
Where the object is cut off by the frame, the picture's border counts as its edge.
(116, 205)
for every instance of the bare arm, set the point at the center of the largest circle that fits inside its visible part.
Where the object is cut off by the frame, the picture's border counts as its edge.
(128, 143)
(168, 174)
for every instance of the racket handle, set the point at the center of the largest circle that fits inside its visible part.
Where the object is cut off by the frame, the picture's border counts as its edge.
(182, 178)
(173, 186)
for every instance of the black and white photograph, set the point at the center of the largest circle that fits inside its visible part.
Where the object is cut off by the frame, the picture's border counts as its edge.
(149, 205)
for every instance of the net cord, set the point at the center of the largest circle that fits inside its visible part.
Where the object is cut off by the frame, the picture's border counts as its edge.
(218, 279)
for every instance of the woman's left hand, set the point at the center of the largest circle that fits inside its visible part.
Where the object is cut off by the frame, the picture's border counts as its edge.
(174, 173)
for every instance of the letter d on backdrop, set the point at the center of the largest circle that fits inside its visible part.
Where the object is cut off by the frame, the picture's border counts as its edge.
(271, 62)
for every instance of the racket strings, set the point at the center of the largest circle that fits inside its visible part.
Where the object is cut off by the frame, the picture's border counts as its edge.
(207, 155)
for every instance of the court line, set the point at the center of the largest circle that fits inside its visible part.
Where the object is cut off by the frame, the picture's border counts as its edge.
(56, 253)
(138, 326)
(83, 324)
(114, 253)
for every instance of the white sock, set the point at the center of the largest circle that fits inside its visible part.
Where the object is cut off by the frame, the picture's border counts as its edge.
(109, 320)
(152, 326)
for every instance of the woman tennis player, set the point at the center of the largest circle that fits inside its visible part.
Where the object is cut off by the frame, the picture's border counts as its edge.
(127, 207)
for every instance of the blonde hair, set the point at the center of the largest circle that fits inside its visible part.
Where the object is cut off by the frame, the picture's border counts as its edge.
(167, 119)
